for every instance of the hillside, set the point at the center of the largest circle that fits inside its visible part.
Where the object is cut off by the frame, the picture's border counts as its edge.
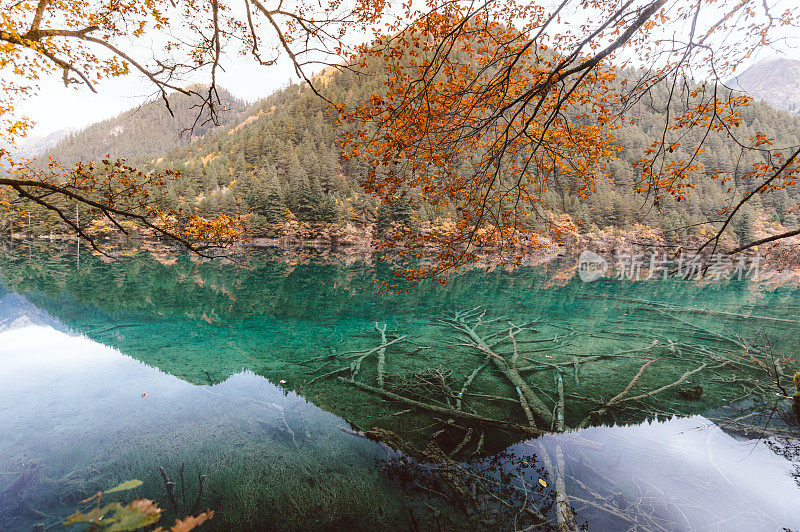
(280, 164)
(35, 146)
(283, 163)
(776, 81)
(145, 131)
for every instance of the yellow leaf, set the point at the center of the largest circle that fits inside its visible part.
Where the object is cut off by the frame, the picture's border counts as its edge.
(128, 485)
(542, 482)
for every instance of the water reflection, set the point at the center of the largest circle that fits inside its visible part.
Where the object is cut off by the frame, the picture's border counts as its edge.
(84, 416)
(88, 416)
(413, 420)
(683, 474)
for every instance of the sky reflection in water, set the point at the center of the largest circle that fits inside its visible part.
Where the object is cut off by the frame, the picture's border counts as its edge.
(71, 404)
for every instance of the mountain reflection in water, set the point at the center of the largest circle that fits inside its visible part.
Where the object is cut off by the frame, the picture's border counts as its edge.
(96, 389)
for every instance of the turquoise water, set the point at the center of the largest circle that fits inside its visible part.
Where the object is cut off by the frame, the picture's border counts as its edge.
(110, 370)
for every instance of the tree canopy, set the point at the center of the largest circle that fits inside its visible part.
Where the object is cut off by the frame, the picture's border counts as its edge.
(483, 110)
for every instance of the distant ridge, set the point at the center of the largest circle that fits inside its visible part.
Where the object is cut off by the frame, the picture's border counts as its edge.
(17, 312)
(776, 81)
(35, 146)
(146, 131)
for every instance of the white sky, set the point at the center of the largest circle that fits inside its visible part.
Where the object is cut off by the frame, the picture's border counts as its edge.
(56, 107)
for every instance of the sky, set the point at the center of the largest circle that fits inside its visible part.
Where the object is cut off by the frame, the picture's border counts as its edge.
(56, 107)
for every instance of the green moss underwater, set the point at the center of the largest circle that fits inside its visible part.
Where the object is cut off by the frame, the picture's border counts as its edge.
(310, 400)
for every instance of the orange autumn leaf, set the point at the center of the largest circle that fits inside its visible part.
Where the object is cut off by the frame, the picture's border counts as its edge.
(188, 523)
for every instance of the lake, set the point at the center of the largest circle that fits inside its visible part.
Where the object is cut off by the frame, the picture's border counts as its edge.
(294, 394)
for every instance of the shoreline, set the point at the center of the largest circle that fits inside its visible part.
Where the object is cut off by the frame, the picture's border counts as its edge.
(778, 266)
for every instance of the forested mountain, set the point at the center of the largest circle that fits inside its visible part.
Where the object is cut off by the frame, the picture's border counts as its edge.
(284, 162)
(280, 161)
(147, 130)
(776, 81)
(35, 146)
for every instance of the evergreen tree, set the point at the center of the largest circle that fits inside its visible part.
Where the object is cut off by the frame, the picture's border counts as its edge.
(743, 225)
(398, 212)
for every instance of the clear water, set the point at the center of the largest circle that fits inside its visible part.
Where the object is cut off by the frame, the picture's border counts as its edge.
(110, 370)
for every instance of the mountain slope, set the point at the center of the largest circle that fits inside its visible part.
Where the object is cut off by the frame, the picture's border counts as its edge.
(16, 311)
(284, 162)
(35, 146)
(280, 161)
(145, 131)
(776, 81)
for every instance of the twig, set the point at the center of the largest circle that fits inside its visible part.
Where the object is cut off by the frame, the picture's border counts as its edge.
(469, 380)
(200, 478)
(170, 489)
(464, 442)
(355, 365)
(564, 514)
(514, 427)
(619, 396)
(525, 407)
(381, 354)
(673, 384)
(515, 356)
(560, 405)
(511, 373)
(480, 445)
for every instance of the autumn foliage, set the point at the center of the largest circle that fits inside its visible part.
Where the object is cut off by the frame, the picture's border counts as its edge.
(485, 107)
(136, 515)
(465, 141)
